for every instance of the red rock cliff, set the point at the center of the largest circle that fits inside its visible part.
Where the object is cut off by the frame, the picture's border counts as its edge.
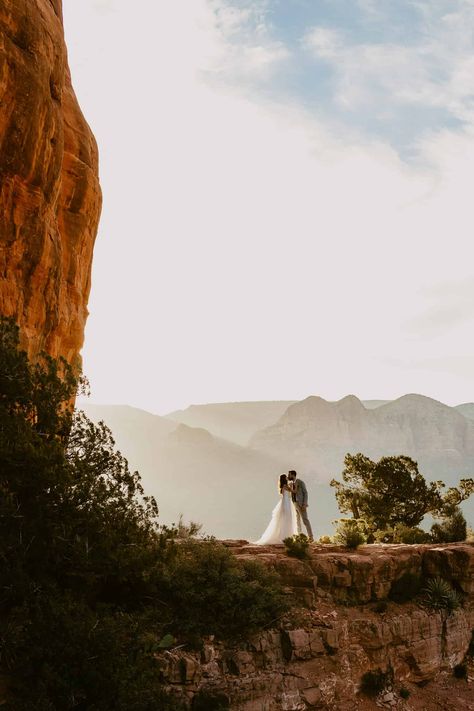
(49, 189)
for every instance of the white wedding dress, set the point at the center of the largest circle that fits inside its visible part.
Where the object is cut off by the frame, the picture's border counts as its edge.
(282, 524)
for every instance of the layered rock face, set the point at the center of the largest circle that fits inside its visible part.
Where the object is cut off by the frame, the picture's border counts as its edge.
(315, 435)
(347, 626)
(50, 198)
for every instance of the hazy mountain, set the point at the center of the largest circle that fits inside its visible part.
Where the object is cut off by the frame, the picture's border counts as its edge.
(372, 404)
(466, 409)
(235, 421)
(232, 489)
(315, 434)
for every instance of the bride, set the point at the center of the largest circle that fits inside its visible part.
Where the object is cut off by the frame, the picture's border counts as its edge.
(283, 521)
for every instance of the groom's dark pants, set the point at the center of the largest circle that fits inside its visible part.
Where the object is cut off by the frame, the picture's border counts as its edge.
(302, 515)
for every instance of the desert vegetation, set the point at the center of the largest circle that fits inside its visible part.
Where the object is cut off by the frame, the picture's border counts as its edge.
(390, 498)
(91, 585)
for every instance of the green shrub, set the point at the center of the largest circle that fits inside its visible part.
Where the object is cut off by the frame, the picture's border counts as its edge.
(451, 529)
(400, 533)
(349, 532)
(404, 693)
(325, 540)
(374, 682)
(207, 591)
(410, 535)
(91, 586)
(297, 546)
(406, 587)
(439, 594)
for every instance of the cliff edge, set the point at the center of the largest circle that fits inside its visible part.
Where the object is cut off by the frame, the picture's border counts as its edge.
(354, 621)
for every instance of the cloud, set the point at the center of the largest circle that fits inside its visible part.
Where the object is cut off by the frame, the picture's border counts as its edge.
(246, 49)
(432, 69)
(449, 305)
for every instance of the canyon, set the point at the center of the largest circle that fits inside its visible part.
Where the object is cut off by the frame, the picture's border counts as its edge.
(343, 625)
(50, 198)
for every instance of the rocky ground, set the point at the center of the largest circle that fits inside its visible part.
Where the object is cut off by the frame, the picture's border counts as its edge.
(343, 625)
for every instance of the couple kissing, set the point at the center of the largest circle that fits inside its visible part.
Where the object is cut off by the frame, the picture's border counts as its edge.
(289, 513)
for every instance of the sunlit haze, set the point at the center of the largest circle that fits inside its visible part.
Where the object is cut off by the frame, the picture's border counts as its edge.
(287, 198)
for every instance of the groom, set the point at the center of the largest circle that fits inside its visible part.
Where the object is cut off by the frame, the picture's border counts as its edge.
(300, 500)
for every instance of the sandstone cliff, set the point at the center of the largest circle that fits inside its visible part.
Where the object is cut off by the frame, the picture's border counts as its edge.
(49, 191)
(347, 625)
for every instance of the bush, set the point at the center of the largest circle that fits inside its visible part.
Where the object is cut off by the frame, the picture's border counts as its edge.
(439, 595)
(207, 591)
(325, 540)
(451, 529)
(374, 682)
(297, 546)
(90, 582)
(404, 693)
(402, 534)
(380, 607)
(406, 587)
(349, 533)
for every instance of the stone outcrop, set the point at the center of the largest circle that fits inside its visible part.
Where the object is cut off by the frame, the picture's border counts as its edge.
(314, 435)
(342, 626)
(49, 191)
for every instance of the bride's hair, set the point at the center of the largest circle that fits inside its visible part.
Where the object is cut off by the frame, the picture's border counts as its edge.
(283, 482)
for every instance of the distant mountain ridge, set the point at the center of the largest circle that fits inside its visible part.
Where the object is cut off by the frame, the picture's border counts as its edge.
(235, 421)
(229, 485)
(315, 434)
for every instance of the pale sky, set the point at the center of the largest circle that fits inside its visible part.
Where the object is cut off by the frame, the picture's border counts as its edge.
(287, 198)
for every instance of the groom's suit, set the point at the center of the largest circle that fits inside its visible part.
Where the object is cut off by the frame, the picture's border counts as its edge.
(300, 500)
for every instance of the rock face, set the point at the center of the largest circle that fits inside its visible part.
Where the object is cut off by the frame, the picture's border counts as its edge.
(315, 435)
(50, 198)
(347, 627)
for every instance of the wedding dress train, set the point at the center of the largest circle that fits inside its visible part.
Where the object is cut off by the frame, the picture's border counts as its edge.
(282, 524)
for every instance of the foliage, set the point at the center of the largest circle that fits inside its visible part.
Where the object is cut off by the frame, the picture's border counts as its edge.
(392, 491)
(297, 546)
(374, 682)
(452, 529)
(187, 530)
(206, 590)
(406, 587)
(67, 655)
(350, 532)
(91, 585)
(400, 533)
(439, 594)
(380, 607)
(325, 540)
(404, 692)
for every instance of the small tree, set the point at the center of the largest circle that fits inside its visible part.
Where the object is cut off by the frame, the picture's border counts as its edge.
(392, 491)
(89, 582)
